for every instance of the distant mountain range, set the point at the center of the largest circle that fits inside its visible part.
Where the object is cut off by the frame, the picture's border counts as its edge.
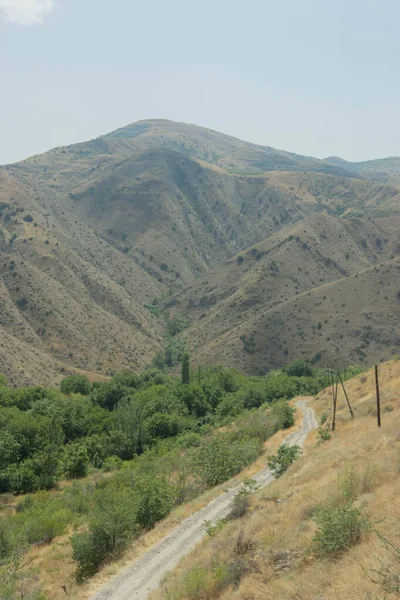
(267, 254)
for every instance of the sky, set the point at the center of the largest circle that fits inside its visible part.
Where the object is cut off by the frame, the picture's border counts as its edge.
(316, 77)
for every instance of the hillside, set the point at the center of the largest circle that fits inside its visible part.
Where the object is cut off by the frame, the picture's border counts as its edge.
(325, 289)
(92, 234)
(280, 548)
(385, 170)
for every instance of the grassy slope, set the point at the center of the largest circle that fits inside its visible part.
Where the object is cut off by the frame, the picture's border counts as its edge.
(316, 479)
(296, 293)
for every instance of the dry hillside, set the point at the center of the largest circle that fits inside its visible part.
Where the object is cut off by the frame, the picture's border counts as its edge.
(92, 233)
(325, 289)
(269, 552)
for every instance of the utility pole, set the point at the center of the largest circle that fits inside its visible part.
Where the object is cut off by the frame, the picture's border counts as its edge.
(346, 396)
(334, 392)
(378, 397)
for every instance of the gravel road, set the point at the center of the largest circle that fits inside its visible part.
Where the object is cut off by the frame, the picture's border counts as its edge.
(145, 574)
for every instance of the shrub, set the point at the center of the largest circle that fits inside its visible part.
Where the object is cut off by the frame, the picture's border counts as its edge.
(162, 425)
(155, 501)
(283, 413)
(299, 368)
(220, 458)
(43, 524)
(76, 384)
(111, 525)
(285, 456)
(323, 434)
(23, 479)
(338, 528)
(240, 504)
(75, 460)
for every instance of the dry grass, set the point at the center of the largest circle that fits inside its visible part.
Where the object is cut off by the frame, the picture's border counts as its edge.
(56, 566)
(359, 455)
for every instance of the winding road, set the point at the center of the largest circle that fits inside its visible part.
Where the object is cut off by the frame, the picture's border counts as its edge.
(145, 574)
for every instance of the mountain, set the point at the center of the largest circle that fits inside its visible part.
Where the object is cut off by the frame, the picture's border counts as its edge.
(324, 289)
(385, 170)
(92, 235)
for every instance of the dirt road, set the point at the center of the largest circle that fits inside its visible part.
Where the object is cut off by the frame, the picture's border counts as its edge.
(145, 574)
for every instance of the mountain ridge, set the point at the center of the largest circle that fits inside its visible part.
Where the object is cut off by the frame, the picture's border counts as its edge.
(93, 234)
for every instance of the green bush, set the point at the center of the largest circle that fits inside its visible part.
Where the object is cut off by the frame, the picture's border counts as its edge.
(285, 456)
(155, 500)
(162, 425)
(220, 458)
(323, 434)
(283, 414)
(42, 524)
(240, 504)
(75, 460)
(76, 384)
(338, 528)
(112, 524)
(299, 368)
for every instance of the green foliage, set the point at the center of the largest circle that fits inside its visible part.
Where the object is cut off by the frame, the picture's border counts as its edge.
(155, 499)
(111, 525)
(249, 343)
(219, 458)
(76, 384)
(240, 504)
(299, 368)
(338, 528)
(283, 413)
(18, 581)
(323, 434)
(175, 325)
(154, 436)
(185, 376)
(284, 457)
(161, 425)
(75, 460)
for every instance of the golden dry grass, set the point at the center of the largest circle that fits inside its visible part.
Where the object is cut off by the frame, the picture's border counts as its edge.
(54, 561)
(357, 447)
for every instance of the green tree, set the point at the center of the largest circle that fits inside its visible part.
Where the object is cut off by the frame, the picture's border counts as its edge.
(299, 368)
(185, 376)
(76, 384)
(155, 499)
(162, 425)
(75, 460)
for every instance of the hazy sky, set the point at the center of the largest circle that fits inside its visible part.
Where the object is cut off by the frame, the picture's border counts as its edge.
(317, 77)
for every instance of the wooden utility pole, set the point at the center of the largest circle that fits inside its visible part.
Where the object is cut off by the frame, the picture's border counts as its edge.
(346, 396)
(378, 397)
(334, 391)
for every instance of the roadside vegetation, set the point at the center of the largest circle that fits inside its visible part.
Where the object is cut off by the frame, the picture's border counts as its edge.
(149, 442)
(327, 527)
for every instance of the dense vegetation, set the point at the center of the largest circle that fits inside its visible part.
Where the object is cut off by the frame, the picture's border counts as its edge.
(154, 441)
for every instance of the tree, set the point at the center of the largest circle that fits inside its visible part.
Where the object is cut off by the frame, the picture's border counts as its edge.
(155, 500)
(161, 425)
(299, 368)
(75, 460)
(186, 369)
(76, 384)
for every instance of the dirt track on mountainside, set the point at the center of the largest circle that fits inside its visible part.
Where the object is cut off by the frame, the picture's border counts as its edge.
(145, 574)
